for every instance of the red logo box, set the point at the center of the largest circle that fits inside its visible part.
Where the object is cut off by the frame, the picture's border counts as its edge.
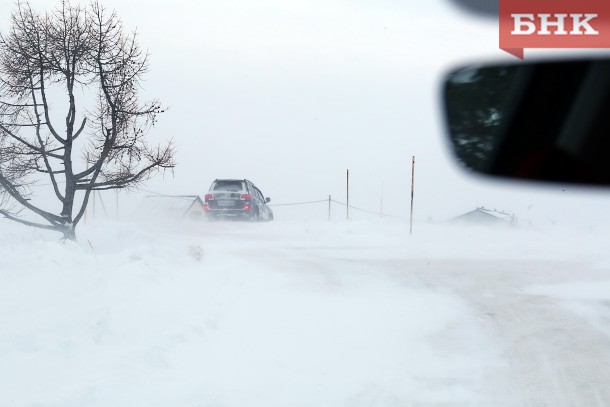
(553, 24)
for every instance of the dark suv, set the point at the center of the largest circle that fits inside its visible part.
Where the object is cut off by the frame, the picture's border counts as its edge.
(238, 199)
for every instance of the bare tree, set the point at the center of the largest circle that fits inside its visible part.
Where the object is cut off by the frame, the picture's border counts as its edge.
(70, 115)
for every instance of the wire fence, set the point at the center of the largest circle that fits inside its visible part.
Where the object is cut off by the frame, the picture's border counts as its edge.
(511, 217)
(330, 200)
(301, 203)
(368, 211)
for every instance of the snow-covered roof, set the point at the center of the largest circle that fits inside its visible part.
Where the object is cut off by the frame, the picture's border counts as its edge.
(485, 216)
(169, 207)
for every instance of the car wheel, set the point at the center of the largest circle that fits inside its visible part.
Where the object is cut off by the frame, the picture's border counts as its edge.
(255, 217)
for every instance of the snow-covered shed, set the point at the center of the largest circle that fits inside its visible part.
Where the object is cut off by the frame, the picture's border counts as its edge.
(483, 216)
(170, 207)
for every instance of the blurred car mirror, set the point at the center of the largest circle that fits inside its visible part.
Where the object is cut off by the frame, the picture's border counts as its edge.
(481, 8)
(546, 121)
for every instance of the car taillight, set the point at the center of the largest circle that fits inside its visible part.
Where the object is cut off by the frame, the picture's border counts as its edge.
(246, 207)
(206, 207)
(247, 197)
(208, 197)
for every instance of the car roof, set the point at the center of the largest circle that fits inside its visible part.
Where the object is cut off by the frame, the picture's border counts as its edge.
(233, 179)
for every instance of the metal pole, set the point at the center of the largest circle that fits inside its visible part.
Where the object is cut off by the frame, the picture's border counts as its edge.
(103, 206)
(116, 191)
(412, 190)
(329, 200)
(86, 167)
(93, 194)
(347, 206)
(381, 204)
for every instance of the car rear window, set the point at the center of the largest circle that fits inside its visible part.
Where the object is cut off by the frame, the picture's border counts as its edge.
(233, 186)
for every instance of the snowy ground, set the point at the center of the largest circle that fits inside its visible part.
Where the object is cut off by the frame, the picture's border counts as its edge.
(304, 314)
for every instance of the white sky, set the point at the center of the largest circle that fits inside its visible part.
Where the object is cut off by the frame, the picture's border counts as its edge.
(290, 94)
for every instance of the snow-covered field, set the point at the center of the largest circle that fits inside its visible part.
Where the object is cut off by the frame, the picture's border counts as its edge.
(304, 314)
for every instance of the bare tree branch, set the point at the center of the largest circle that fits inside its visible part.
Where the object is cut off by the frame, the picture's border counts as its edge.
(25, 222)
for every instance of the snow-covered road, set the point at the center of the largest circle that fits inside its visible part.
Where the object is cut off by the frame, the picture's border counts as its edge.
(304, 314)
